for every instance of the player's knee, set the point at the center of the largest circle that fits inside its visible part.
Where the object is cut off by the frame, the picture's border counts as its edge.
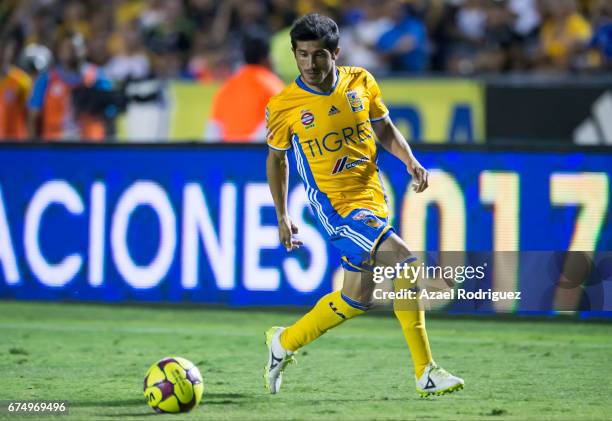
(394, 250)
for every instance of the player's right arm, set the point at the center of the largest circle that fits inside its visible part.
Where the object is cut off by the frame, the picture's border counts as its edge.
(277, 171)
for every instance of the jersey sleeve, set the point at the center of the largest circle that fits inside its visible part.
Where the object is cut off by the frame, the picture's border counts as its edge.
(278, 133)
(378, 110)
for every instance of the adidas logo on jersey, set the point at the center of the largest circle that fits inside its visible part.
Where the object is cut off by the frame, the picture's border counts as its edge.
(333, 110)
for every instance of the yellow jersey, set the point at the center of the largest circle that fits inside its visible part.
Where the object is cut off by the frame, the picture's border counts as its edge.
(333, 140)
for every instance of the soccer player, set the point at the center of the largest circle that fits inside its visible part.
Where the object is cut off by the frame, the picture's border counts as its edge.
(331, 115)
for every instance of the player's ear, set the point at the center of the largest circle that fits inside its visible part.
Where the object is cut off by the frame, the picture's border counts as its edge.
(336, 53)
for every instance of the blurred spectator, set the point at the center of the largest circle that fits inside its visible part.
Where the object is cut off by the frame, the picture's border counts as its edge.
(35, 59)
(145, 44)
(440, 20)
(101, 25)
(201, 39)
(75, 20)
(494, 52)
(602, 36)
(527, 17)
(564, 34)
(168, 33)
(366, 24)
(208, 62)
(202, 12)
(146, 109)
(130, 60)
(126, 11)
(248, 91)
(468, 33)
(67, 101)
(15, 86)
(472, 20)
(282, 13)
(405, 45)
(525, 43)
(234, 19)
(38, 22)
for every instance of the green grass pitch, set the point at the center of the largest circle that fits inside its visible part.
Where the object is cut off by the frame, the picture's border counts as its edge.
(95, 357)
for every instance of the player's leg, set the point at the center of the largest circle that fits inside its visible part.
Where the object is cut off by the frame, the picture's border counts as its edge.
(330, 311)
(430, 379)
(412, 319)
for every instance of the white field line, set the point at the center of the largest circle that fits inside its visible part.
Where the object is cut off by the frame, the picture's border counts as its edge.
(92, 328)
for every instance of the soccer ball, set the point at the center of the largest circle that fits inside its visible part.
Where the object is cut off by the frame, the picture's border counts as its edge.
(173, 384)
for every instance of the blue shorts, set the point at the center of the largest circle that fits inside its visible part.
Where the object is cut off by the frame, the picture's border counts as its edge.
(358, 236)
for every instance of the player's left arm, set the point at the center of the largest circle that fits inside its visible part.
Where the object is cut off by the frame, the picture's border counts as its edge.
(390, 138)
(393, 141)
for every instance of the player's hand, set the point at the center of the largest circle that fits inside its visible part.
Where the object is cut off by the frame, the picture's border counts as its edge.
(420, 176)
(286, 231)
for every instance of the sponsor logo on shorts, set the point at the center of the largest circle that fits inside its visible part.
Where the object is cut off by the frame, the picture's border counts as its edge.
(373, 222)
(368, 218)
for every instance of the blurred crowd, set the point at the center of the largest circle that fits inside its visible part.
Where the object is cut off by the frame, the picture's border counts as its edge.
(200, 39)
(140, 44)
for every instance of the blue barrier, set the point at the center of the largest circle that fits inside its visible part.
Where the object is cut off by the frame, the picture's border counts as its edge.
(197, 224)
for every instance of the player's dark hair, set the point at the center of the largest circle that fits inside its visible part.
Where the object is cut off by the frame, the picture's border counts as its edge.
(313, 27)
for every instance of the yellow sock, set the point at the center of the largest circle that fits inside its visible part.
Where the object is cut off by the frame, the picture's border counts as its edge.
(412, 319)
(329, 312)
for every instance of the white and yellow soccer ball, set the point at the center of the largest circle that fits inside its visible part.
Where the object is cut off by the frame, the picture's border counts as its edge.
(173, 385)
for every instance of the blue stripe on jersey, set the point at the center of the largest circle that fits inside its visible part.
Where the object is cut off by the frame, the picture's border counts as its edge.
(318, 200)
(321, 204)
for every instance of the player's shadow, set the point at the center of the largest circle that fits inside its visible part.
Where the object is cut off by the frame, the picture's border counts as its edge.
(207, 399)
(131, 414)
(91, 404)
(222, 398)
(110, 404)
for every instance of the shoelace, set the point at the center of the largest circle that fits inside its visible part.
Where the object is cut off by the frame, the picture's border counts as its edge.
(441, 372)
(286, 361)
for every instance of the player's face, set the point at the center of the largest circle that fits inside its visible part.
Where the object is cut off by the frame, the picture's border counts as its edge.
(314, 61)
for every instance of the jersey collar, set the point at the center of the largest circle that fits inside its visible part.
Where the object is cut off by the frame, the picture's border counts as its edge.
(302, 85)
